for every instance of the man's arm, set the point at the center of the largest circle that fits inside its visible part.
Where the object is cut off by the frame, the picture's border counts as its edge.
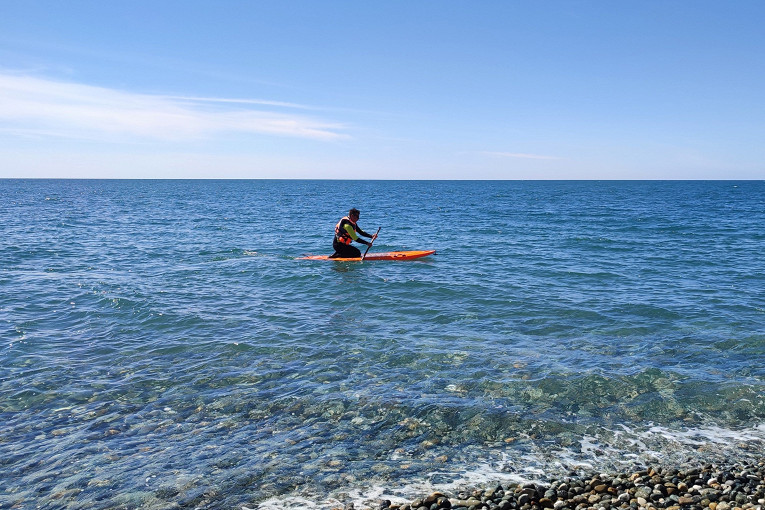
(352, 233)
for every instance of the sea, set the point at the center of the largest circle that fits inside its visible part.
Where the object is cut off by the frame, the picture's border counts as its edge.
(164, 346)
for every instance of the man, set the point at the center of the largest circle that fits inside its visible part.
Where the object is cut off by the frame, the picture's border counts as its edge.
(346, 231)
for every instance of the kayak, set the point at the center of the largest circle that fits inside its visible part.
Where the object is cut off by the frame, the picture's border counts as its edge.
(391, 255)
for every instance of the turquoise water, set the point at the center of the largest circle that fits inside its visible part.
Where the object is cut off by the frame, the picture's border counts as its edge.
(161, 344)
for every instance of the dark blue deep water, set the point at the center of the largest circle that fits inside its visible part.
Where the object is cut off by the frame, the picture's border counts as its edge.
(162, 347)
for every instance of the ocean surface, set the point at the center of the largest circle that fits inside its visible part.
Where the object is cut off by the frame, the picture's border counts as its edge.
(162, 345)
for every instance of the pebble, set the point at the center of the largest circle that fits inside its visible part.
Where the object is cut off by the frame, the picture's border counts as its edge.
(733, 487)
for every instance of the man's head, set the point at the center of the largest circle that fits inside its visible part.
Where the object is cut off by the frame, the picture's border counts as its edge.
(354, 214)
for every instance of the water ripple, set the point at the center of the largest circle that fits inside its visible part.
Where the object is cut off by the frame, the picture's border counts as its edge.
(162, 345)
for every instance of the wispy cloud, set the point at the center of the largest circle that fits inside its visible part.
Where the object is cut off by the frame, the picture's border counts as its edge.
(519, 155)
(31, 105)
(223, 100)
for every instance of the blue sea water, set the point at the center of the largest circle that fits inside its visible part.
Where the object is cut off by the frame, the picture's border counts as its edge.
(163, 346)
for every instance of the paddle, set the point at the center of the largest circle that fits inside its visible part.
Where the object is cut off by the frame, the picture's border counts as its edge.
(370, 244)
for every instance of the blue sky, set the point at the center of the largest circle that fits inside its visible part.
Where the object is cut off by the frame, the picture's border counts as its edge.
(390, 89)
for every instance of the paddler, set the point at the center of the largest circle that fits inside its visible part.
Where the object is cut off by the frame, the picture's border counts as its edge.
(347, 231)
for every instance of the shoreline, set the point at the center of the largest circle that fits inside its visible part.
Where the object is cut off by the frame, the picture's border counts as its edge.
(734, 486)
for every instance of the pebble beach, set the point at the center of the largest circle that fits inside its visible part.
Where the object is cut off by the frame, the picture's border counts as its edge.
(733, 487)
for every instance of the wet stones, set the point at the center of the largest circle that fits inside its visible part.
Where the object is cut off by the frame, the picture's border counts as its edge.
(736, 487)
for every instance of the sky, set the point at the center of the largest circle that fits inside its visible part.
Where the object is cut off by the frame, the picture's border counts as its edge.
(414, 89)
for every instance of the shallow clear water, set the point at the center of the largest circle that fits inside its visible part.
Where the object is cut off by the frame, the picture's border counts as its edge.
(162, 345)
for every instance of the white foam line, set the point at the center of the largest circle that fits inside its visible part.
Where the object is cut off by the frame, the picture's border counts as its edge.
(717, 435)
(633, 445)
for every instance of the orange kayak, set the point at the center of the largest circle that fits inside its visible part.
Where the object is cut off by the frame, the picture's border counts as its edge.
(391, 255)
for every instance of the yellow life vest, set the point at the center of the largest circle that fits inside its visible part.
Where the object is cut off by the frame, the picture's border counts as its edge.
(341, 234)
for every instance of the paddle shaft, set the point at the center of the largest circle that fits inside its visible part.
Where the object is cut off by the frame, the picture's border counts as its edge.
(370, 244)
